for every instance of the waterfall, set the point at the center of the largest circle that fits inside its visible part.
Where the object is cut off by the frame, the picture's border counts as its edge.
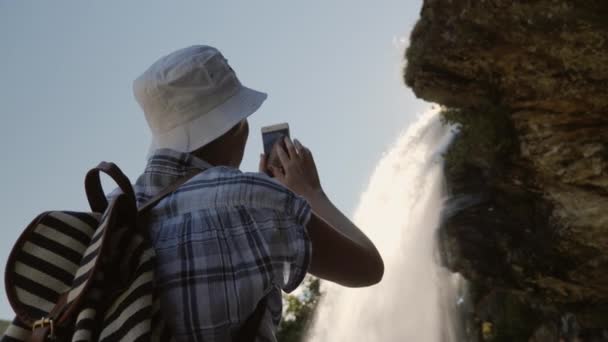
(400, 211)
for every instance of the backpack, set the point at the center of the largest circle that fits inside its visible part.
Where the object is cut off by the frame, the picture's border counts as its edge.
(89, 276)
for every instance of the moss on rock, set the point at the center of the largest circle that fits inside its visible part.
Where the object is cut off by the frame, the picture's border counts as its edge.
(485, 137)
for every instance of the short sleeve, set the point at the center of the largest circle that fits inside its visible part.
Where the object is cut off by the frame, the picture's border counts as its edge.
(281, 217)
(295, 270)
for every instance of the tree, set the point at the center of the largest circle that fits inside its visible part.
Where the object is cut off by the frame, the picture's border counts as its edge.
(298, 311)
(3, 326)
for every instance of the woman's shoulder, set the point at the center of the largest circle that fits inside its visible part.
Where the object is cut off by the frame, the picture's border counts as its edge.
(228, 175)
(251, 189)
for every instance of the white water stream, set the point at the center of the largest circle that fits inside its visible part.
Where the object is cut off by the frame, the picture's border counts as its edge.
(400, 212)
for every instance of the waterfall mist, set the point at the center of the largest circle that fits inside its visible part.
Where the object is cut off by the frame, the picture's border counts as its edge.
(400, 211)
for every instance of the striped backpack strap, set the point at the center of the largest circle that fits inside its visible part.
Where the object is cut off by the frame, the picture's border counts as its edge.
(133, 313)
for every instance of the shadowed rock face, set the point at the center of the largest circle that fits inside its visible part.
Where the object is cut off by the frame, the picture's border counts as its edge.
(537, 232)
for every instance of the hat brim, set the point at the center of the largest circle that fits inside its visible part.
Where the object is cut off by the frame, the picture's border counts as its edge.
(204, 129)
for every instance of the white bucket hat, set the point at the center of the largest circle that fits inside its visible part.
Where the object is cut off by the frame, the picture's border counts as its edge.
(192, 97)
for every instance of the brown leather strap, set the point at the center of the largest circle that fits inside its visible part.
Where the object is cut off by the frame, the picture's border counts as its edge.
(92, 184)
(166, 191)
(39, 334)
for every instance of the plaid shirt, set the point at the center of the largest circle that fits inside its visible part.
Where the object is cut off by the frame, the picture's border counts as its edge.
(224, 240)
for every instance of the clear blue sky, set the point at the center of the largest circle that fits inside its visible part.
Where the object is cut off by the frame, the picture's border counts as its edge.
(332, 69)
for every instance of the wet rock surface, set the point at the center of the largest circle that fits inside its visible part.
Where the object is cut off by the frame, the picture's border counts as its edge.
(529, 223)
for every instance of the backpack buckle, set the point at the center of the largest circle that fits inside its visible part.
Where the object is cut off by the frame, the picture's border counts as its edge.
(45, 322)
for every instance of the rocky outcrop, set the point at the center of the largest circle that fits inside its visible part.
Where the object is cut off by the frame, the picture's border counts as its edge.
(531, 232)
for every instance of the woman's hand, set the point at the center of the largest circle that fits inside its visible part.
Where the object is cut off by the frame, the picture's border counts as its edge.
(342, 253)
(297, 169)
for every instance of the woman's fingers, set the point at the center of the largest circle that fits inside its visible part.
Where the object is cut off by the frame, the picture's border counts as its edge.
(283, 157)
(291, 150)
(263, 160)
(277, 172)
(303, 151)
(299, 147)
(308, 154)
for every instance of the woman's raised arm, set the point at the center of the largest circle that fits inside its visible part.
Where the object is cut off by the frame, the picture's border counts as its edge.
(342, 253)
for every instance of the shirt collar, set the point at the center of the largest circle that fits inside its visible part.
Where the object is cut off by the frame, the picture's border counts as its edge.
(170, 161)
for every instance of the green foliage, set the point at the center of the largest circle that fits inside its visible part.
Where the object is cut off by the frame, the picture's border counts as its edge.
(507, 316)
(3, 326)
(486, 136)
(297, 316)
(298, 312)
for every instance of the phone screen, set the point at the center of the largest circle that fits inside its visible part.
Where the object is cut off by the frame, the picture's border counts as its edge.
(270, 138)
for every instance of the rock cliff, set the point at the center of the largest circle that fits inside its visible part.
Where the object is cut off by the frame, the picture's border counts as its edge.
(527, 81)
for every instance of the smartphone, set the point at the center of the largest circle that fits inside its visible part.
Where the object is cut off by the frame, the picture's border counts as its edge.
(271, 134)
